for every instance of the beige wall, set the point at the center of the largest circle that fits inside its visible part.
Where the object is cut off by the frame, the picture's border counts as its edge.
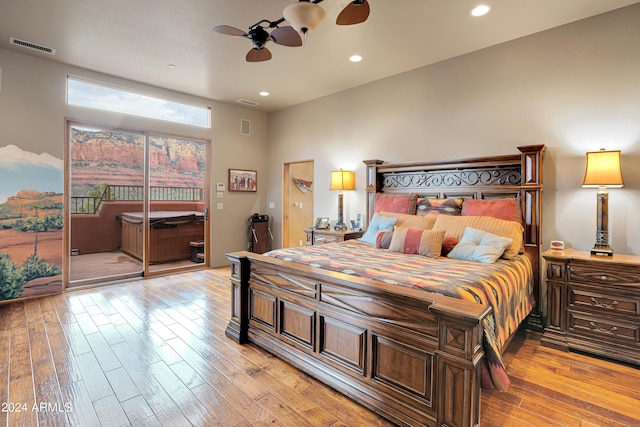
(575, 88)
(33, 111)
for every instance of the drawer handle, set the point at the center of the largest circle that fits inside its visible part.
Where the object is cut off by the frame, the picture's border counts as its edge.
(597, 303)
(598, 329)
(603, 278)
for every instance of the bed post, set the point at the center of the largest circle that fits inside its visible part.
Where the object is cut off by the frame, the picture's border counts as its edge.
(239, 324)
(531, 158)
(373, 186)
(459, 366)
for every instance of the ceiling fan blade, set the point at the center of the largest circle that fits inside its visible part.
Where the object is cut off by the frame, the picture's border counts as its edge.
(286, 36)
(258, 55)
(230, 31)
(355, 13)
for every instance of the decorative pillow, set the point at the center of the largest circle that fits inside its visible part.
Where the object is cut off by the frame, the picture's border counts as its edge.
(507, 209)
(399, 203)
(447, 244)
(378, 223)
(383, 239)
(439, 206)
(480, 246)
(412, 221)
(415, 241)
(455, 226)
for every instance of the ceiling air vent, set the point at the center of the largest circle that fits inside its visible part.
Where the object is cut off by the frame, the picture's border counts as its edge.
(246, 102)
(29, 45)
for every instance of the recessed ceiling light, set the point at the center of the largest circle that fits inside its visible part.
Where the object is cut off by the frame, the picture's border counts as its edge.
(483, 9)
(355, 58)
(264, 93)
(172, 66)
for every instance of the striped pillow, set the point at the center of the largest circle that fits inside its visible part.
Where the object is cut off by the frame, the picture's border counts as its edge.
(414, 241)
(412, 221)
(455, 226)
(383, 239)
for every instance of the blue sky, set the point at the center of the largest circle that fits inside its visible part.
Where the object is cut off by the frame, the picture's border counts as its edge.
(24, 170)
(106, 98)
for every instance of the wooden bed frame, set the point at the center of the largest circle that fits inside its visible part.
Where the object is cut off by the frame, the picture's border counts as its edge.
(412, 356)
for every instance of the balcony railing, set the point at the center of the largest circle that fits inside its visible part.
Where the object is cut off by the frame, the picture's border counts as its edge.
(91, 204)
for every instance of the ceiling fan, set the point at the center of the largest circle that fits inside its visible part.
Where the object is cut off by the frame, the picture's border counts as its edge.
(259, 36)
(304, 16)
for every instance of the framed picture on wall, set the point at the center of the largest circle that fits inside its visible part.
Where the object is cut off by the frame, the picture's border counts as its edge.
(243, 180)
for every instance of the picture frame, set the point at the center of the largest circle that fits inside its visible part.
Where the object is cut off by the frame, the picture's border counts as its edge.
(243, 180)
(322, 223)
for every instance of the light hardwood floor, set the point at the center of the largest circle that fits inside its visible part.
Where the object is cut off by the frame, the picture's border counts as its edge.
(153, 352)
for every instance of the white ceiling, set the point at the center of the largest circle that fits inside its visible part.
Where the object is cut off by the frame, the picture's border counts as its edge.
(138, 39)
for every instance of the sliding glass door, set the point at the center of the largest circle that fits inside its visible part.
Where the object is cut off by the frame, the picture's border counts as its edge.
(137, 203)
(177, 214)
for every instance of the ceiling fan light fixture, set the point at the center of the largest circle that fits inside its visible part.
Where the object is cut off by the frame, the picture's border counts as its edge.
(304, 16)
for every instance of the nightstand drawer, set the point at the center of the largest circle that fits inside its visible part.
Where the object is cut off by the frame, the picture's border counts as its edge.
(321, 240)
(606, 329)
(555, 270)
(321, 236)
(605, 303)
(598, 274)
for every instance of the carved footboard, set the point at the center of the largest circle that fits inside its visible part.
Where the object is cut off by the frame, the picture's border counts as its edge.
(411, 356)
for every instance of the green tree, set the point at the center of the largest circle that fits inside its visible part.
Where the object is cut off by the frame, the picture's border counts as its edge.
(97, 190)
(11, 279)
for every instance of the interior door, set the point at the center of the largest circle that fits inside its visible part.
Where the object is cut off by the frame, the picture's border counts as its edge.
(298, 202)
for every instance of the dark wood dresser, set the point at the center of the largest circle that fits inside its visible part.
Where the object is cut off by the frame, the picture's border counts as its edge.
(593, 304)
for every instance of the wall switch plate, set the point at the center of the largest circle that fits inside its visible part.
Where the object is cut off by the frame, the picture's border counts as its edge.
(220, 206)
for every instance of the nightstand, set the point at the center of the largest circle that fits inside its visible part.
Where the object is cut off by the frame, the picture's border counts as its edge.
(593, 304)
(320, 236)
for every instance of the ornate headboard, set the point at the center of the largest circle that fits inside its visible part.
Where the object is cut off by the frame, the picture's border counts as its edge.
(492, 177)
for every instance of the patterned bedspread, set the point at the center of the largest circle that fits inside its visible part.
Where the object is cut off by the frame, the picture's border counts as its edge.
(506, 285)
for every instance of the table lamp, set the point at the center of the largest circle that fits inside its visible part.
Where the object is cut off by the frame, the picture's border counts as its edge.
(342, 180)
(602, 171)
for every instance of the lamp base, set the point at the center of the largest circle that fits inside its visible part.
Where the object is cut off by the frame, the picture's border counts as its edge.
(340, 226)
(602, 250)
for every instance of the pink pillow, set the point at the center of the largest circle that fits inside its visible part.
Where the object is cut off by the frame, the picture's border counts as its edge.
(398, 203)
(508, 209)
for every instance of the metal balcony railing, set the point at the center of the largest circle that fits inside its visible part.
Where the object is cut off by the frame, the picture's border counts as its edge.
(91, 204)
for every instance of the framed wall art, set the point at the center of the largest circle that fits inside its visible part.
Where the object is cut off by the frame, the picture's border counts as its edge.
(322, 222)
(243, 180)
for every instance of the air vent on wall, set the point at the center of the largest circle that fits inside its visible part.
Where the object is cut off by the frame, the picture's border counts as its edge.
(247, 102)
(245, 127)
(34, 46)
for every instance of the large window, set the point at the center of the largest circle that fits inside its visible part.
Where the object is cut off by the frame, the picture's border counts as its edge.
(103, 97)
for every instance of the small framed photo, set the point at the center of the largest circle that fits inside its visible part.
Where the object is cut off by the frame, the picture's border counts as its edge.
(243, 180)
(322, 223)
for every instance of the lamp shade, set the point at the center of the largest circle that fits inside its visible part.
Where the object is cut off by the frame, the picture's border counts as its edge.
(304, 16)
(342, 180)
(603, 169)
